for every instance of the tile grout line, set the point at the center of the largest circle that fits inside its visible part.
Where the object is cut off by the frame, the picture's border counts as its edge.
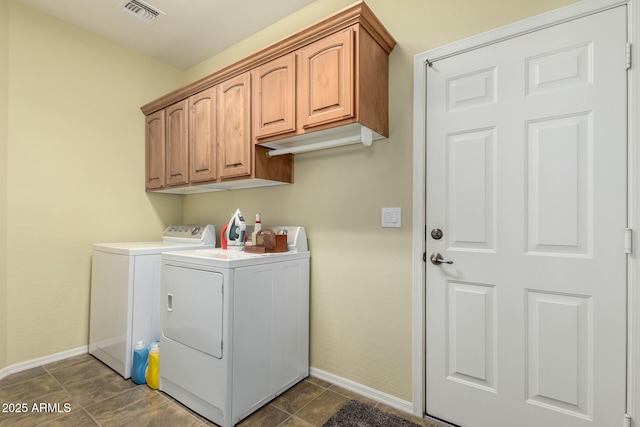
(63, 389)
(324, 389)
(309, 403)
(82, 408)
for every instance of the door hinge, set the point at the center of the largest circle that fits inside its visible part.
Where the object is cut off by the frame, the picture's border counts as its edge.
(628, 238)
(628, 55)
(627, 420)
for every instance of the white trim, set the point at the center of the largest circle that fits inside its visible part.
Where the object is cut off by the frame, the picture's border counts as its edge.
(555, 17)
(633, 266)
(419, 235)
(23, 366)
(363, 390)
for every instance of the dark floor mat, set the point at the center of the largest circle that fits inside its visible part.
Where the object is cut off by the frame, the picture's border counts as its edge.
(358, 414)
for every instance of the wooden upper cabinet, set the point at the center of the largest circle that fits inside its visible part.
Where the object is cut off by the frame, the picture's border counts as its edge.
(274, 97)
(155, 151)
(331, 74)
(203, 136)
(177, 143)
(234, 126)
(326, 86)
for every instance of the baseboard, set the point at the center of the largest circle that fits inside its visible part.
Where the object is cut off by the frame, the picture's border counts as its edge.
(23, 366)
(371, 393)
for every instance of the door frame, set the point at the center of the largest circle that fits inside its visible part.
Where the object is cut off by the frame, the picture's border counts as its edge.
(573, 11)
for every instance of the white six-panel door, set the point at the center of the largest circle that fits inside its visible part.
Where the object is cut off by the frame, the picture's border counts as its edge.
(526, 178)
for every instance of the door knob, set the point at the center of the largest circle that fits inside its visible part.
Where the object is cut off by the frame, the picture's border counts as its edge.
(436, 259)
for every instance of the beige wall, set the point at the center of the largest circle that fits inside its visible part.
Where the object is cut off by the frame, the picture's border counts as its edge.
(361, 283)
(4, 64)
(75, 173)
(75, 167)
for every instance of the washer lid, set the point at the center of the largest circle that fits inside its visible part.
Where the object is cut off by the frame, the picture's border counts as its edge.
(174, 238)
(145, 248)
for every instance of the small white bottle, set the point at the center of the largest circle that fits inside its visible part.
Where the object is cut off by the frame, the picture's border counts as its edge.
(256, 228)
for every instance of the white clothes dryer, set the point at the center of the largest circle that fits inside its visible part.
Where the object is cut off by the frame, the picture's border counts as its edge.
(235, 327)
(125, 292)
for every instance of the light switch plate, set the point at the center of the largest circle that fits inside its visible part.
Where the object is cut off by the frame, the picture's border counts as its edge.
(391, 217)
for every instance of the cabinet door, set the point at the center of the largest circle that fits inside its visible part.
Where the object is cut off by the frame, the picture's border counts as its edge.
(155, 150)
(326, 92)
(202, 136)
(234, 126)
(177, 143)
(274, 97)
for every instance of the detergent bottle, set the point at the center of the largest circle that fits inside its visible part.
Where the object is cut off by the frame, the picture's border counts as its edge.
(153, 369)
(140, 361)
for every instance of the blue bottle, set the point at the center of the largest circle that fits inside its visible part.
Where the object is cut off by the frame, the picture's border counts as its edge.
(140, 361)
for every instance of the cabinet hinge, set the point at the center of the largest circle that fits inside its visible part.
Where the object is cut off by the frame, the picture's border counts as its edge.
(627, 420)
(628, 55)
(628, 238)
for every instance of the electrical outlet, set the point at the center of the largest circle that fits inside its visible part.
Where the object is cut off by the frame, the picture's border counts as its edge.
(391, 217)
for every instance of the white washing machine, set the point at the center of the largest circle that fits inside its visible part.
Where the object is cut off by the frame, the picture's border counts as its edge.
(235, 327)
(125, 292)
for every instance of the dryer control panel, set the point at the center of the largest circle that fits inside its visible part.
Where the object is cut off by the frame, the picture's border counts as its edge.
(190, 233)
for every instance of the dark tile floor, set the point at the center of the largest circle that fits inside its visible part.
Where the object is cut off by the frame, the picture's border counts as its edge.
(81, 391)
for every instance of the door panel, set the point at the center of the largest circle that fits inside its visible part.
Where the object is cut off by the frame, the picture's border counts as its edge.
(471, 334)
(558, 330)
(559, 175)
(526, 177)
(472, 181)
(192, 308)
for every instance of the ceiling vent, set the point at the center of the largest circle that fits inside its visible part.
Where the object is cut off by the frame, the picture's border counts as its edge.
(141, 10)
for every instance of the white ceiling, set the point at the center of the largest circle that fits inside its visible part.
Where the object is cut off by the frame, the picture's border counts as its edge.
(190, 32)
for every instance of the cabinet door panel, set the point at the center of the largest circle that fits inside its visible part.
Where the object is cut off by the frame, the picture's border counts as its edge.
(155, 150)
(274, 97)
(202, 136)
(177, 144)
(234, 126)
(326, 90)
